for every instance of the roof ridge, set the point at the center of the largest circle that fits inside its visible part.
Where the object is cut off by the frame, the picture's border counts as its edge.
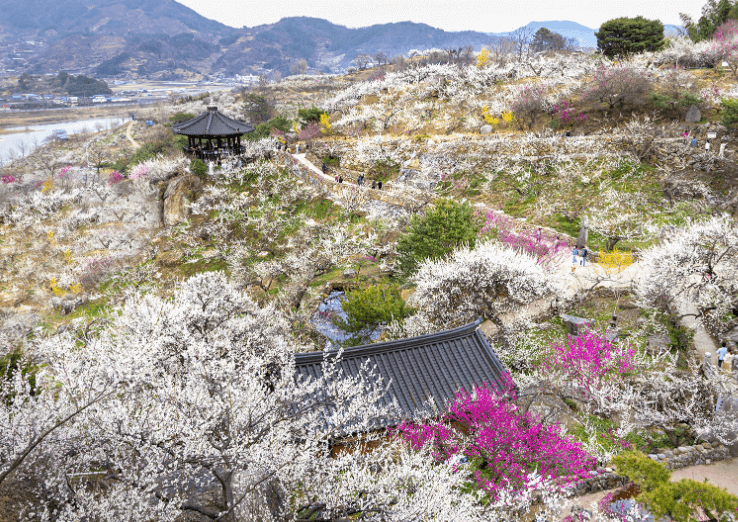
(387, 346)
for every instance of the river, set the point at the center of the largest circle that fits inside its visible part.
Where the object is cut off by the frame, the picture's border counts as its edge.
(36, 134)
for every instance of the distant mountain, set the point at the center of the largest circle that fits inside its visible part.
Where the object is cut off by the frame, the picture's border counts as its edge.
(582, 34)
(163, 39)
(166, 40)
(330, 47)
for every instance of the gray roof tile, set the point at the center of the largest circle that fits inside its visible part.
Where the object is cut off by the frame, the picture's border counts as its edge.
(212, 123)
(436, 365)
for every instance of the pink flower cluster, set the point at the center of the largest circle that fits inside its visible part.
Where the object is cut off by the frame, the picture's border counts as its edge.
(546, 248)
(566, 115)
(507, 444)
(8, 178)
(310, 132)
(139, 171)
(115, 177)
(64, 170)
(590, 358)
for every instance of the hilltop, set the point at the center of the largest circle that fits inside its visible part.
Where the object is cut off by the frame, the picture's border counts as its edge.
(159, 301)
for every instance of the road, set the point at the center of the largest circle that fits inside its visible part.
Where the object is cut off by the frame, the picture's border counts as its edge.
(130, 138)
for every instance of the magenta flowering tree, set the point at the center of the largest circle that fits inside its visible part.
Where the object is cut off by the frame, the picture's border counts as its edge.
(618, 85)
(529, 103)
(9, 178)
(725, 45)
(511, 451)
(587, 361)
(565, 114)
(310, 132)
(545, 248)
(115, 177)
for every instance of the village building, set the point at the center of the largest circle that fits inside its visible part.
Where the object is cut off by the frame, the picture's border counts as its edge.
(434, 366)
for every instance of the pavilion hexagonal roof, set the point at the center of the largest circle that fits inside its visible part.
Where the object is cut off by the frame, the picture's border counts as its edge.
(212, 124)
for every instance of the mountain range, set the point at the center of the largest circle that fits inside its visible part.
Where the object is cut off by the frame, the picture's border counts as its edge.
(582, 34)
(163, 39)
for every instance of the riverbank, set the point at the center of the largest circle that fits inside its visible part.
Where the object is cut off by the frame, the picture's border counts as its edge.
(13, 119)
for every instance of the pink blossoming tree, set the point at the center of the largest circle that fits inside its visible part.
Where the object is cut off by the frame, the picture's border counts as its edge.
(509, 449)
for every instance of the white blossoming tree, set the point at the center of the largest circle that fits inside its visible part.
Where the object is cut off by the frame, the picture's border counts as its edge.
(694, 272)
(209, 416)
(487, 280)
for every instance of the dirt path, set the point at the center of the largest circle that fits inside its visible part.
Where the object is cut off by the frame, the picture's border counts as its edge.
(723, 474)
(130, 138)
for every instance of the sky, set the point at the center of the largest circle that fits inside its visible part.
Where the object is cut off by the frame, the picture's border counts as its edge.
(452, 15)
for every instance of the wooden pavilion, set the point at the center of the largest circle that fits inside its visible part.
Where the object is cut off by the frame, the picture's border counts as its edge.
(212, 135)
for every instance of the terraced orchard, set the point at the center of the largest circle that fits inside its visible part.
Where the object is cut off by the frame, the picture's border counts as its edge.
(152, 304)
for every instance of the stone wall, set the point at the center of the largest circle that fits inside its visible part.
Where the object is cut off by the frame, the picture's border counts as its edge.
(684, 456)
(598, 480)
(606, 478)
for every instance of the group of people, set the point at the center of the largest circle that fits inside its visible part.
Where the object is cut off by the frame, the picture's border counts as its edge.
(582, 253)
(725, 355)
(359, 181)
(694, 142)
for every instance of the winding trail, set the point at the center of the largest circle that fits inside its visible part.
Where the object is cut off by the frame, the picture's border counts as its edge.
(130, 137)
(577, 281)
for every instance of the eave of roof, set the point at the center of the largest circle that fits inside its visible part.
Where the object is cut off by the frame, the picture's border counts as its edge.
(212, 124)
(436, 365)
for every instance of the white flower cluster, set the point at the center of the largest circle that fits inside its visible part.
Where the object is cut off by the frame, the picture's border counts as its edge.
(194, 404)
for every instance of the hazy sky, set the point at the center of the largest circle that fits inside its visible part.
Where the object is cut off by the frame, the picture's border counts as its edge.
(451, 15)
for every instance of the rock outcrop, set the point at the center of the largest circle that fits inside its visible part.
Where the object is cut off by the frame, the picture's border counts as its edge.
(179, 194)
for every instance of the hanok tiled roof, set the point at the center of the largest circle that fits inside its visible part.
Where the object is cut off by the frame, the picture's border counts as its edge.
(436, 365)
(212, 123)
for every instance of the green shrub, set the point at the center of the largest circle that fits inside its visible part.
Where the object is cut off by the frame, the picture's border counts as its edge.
(263, 129)
(198, 167)
(677, 501)
(642, 470)
(729, 113)
(369, 307)
(311, 115)
(181, 116)
(443, 228)
(681, 501)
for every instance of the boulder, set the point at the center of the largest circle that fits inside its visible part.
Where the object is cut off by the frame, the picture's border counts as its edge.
(177, 198)
(67, 304)
(349, 273)
(576, 325)
(693, 115)
(487, 129)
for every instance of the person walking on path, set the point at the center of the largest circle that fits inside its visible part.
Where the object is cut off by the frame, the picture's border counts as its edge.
(374, 184)
(722, 352)
(298, 149)
(336, 178)
(324, 168)
(707, 147)
(538, 235)
(574, 254)
(340, 179)
(694, 142)
(379, 185)
(584, 255)
(685, 138)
